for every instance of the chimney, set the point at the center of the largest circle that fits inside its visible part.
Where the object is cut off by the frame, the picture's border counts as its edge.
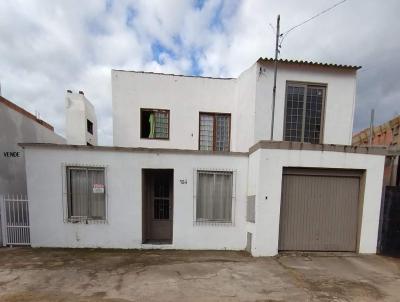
(81, 92)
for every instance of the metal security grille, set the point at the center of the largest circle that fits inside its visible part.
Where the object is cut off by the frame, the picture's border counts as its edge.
(161, 130)
(85, 194)
(304, 108)
(154, 123)
(161, 199)
(206, 132)
(294, 113)
(214, 196)
(15, 220)
(161, 208)
(319, 210)
(214, 131)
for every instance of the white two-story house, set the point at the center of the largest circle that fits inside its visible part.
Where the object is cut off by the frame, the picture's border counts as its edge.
(193, 166)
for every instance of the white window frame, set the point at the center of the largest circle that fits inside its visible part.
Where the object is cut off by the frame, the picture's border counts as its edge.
(210, 222)
(82, 220)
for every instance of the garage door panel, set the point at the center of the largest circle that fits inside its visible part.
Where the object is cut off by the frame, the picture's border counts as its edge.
(319, 213)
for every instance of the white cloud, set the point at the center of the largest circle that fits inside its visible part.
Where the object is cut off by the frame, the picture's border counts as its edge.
(49, 46)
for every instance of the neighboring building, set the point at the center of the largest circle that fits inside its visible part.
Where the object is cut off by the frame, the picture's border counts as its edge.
(387, 135)
(81, 121)
(19, 126)
(192, 167)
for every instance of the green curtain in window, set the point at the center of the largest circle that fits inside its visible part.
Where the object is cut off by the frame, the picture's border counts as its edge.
(152, 122)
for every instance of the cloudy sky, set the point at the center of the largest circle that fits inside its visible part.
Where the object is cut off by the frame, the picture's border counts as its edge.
(49, 46)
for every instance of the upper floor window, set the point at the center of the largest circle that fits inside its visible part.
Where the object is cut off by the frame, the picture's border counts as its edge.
(214, 131)
(154, 123)
(89, 126)
(304, 112)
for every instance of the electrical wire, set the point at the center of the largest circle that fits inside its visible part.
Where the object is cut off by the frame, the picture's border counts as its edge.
(284, 34)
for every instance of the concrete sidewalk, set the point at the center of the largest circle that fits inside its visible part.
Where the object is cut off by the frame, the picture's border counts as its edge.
(120, 275)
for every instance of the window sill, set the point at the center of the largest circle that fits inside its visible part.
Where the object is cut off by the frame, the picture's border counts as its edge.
(213, 223)
(86, 221)
(156, 138)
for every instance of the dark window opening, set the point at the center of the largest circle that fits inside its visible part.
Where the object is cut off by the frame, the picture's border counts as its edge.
(154, 124)
(304, 113)
(89, 126)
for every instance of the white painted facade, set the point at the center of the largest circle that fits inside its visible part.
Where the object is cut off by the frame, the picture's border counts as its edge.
(124, 197)
(248, 99)
(258, 172)
(339, 101)
(265, 182)
(79, 110)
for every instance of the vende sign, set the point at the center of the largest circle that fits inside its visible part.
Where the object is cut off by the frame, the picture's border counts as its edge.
(12, 154)
(98, 188)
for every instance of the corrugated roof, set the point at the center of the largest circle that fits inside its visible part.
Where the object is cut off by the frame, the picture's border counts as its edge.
(301, 62)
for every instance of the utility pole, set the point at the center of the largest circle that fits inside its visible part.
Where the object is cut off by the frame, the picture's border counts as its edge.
(275, 74)
(371, 127)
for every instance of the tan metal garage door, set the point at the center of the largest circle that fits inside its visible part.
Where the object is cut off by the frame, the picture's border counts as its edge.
(319, 210)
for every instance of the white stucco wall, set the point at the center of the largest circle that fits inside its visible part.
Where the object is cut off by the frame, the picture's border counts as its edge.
(268, 165)
(248, 98)
(185, 97)
(78, 111)
(124, 193)
(339, 102)
(245, 113)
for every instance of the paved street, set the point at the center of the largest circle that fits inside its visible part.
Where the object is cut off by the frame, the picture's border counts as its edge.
(108, 275)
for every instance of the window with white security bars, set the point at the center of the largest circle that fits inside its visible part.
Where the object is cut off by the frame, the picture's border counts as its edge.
(86, 195)
(214, 197)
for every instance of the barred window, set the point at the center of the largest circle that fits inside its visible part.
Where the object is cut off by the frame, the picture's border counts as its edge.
(85, 194)
(214, 131)
(154, 123)
(304, 113)
(214, 196)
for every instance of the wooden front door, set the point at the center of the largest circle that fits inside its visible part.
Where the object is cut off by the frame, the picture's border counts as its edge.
(157, 206)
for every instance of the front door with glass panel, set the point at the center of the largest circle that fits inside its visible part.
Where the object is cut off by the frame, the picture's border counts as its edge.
(157, 205)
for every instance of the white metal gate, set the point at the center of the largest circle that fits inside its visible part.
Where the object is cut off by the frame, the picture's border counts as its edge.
(14, 213)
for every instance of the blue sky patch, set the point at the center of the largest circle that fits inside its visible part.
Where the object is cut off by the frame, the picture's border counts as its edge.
(130, 16)
(216, 20)
(198, 4)
(158, 50)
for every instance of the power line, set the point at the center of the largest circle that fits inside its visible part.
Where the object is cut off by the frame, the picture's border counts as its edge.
(284, 34)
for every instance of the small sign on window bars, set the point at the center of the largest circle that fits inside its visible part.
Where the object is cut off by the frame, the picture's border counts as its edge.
(98, 188)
